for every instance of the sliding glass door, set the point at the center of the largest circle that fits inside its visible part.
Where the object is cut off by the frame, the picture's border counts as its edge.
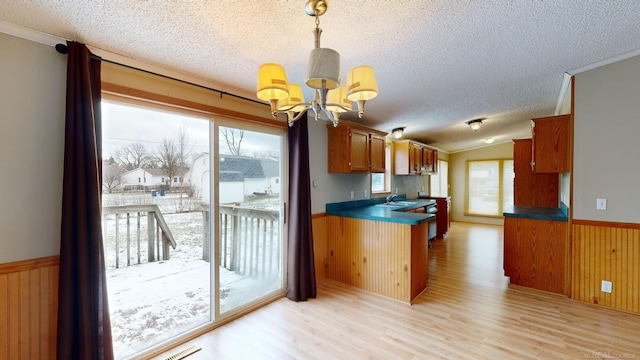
(170, 181)
(250, 226)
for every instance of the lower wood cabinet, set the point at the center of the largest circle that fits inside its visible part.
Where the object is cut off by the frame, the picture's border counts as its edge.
(443, 216)
(535, 253)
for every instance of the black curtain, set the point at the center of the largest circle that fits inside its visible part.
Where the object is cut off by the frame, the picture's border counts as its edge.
(84, 327)
(301, 277)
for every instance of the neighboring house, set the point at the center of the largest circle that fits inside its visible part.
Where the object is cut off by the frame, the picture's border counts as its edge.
(146, 179)
(271, 170)
(240, 176)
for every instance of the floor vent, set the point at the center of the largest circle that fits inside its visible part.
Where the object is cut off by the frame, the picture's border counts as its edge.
(184, 353)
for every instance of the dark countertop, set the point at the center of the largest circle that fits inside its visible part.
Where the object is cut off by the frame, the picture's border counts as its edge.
(368, 210)
(536, 213)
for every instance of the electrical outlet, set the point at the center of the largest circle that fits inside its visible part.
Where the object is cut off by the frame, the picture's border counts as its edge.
(601, 204)
(606, 286)
(366, 193)
(396, 190)
(353, 195)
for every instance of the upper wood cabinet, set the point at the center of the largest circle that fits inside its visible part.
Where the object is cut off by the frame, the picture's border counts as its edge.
(353, 148)
(429, 161)
(414, 158)
(550, 144)
(530, 189)
(378, 152)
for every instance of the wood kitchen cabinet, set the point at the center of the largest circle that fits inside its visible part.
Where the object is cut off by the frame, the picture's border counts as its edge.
(443, 215)
(535, 253)
(529, 188)
(412, 159)
(429, 161)
(353, 148)
(377, 153)
(550, 146)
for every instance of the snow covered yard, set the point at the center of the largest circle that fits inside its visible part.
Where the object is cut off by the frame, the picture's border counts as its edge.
(154, 301)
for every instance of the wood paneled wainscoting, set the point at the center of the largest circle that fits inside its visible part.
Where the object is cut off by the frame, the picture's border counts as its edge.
(606, 251)
(386, 258)
(319, 224)
(29, 308)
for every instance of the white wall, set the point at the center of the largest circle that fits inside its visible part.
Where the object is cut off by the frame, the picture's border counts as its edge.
(32, 109)
(457, 175)
(607, 142)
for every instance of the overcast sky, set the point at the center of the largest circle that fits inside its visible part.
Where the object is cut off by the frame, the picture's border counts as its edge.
(123, 124)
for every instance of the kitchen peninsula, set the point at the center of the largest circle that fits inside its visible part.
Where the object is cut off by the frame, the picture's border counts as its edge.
(380, 247)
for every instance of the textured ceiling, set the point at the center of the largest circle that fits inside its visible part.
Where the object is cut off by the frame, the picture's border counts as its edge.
(439, 64)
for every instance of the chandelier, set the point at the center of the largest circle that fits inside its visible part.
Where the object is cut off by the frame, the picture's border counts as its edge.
(323, 75)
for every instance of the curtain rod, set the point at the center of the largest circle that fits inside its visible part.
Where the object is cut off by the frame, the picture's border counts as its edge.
(62, 49)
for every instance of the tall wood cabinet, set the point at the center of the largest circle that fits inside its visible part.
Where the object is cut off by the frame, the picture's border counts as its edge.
(550, 147)
(353, 148)
(529, 188)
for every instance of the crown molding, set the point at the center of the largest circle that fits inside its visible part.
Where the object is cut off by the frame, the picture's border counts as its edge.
(566, 79)
(30, 34)
(604, 62)
(566, 82)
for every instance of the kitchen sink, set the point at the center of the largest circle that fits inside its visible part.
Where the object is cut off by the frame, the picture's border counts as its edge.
(396, 204)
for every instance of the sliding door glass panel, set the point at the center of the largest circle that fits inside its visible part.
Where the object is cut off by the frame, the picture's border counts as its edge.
(250, 204)
(155, 206)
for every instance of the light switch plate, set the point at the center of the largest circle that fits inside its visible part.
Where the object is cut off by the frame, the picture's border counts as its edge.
(601, 204)
(606, 286)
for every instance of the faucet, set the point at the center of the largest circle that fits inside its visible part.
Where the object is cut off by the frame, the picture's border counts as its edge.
(391, 197)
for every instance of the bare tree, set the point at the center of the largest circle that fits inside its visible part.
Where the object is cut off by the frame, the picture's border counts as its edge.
(273, 155)
(173, 157)
(111, 174)
(233, 140)
(133, 156)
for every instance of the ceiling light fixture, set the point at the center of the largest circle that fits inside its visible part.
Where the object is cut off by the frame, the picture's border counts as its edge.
(323, 75)
(397, 133)
(475, 124)
(488, 140)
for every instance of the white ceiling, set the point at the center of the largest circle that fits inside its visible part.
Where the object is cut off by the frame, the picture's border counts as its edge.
(438, 64)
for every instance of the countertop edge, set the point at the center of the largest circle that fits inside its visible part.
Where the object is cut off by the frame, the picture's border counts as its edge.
(536, 213)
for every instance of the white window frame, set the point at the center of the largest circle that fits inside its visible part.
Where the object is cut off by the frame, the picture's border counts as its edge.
(386, 174)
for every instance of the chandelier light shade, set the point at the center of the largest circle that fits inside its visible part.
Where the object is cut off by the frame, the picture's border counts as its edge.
(339, 98)
(294, 100)
(362, 86)
(272, 84)
(323, 69)
(331, 97)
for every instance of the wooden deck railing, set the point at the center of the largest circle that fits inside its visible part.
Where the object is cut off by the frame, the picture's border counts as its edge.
(158, 235)
(250, 241)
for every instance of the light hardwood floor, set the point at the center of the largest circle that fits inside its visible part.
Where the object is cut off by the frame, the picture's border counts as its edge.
(467, 312)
